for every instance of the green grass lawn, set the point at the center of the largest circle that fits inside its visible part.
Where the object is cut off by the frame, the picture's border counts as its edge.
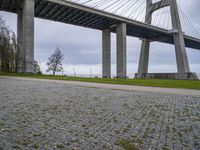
(186, 84)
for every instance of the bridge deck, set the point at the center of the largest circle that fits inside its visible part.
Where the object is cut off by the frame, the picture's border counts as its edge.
(71, 13)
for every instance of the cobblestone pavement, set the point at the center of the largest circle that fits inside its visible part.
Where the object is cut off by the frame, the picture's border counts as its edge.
(40, 115)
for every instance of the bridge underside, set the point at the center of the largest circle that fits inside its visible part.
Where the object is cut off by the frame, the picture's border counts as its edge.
(71, 13)
(75, 14)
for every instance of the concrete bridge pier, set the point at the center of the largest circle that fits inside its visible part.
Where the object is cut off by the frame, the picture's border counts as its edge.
(145, 47)
(121, 33)
(121, 50)
(144, 59)
(25, 36)
(106, 60)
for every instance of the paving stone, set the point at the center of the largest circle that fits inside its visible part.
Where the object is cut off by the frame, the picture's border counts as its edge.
(41, 115)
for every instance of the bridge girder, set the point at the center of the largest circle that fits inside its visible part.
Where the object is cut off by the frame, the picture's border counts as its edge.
(96, 20)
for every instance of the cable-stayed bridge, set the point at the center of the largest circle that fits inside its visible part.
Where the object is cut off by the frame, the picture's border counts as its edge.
(150, 20)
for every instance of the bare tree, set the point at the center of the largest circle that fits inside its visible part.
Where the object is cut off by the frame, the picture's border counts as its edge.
(55, 61)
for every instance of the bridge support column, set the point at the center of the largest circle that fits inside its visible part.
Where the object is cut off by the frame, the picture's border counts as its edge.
(144, 59)
(181, 55)
(106, 60)
(145, 47)
(121, 51)
(25, 32)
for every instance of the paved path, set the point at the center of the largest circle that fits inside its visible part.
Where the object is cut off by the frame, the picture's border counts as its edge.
(43, 114)
(120, 87)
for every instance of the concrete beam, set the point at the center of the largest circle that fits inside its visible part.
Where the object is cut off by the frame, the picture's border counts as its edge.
(159, 5)
(121, 50)
(106, 59)
(181, 55)
(25, 31)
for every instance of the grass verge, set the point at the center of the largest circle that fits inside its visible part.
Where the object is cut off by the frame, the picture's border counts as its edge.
(184, 84)
(127, 145)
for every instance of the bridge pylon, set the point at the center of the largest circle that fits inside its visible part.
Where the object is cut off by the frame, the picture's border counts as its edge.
(178, 37)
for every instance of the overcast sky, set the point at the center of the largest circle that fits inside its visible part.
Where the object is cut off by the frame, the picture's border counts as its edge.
(82, 47)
